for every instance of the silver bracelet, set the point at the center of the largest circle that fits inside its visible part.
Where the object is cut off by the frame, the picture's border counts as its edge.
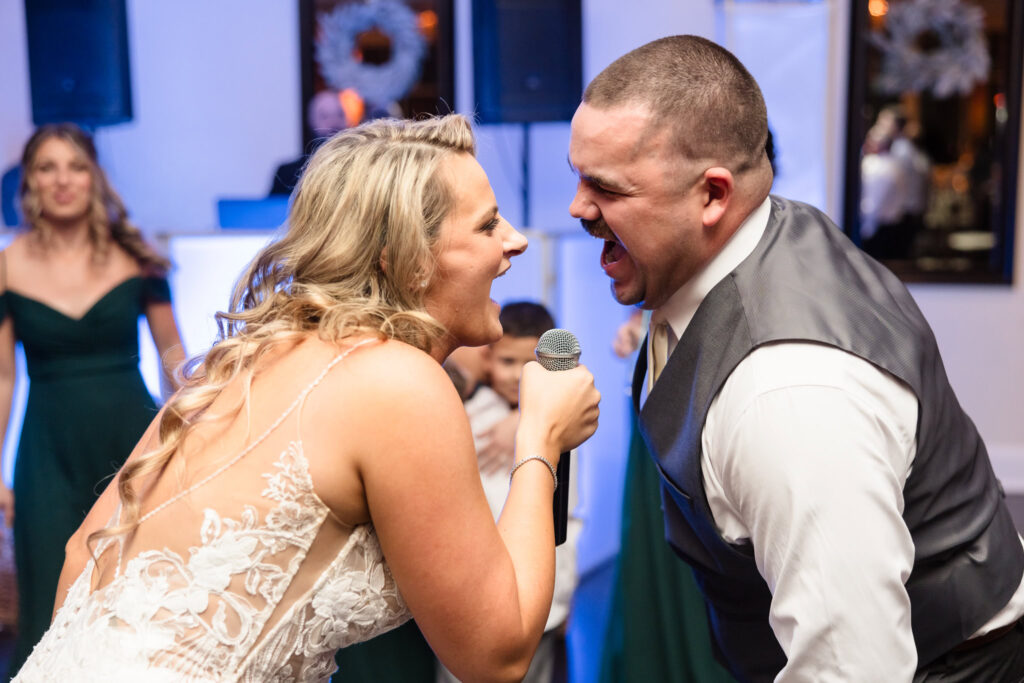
(526, 460)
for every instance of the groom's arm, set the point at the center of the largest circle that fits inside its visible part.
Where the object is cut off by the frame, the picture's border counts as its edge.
(807, 451)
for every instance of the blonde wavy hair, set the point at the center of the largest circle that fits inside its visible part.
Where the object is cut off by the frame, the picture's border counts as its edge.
(362, 228)
(108, 219)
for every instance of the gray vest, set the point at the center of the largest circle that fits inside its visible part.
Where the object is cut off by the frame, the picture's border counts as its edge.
(805, 281)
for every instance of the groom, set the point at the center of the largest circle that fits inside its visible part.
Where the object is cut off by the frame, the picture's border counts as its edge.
(835, 502)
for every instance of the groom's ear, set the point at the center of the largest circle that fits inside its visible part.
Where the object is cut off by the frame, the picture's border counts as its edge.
(718, 186)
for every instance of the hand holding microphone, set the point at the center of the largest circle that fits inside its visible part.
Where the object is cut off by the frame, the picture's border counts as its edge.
(567, 401)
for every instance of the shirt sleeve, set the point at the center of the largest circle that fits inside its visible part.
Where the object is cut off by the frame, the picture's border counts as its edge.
(805, 454)
(156, 290)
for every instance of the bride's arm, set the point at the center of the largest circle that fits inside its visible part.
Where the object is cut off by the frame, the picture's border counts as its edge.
(479, 593)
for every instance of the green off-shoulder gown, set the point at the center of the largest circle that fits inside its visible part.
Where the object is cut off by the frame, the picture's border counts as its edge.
(87, 407)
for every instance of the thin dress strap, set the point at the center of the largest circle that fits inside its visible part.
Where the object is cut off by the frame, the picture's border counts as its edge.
(299, 400)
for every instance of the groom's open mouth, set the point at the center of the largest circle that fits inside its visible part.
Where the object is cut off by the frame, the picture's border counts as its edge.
(612, 253)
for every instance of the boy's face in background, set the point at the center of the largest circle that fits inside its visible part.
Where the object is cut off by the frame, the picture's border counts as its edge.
(508, 356)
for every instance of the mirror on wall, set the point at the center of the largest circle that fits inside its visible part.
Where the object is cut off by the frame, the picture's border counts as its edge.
(933, 131)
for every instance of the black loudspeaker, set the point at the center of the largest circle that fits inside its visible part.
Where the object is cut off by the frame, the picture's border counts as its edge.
(527, 60)
(78, 61)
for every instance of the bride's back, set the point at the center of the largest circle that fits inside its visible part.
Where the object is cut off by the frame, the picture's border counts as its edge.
(237, 564)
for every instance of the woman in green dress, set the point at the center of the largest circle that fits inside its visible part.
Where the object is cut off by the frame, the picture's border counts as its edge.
(73, 284)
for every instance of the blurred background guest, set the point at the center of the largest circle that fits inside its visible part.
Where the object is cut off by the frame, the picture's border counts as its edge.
(74, 283)
(894, 186)
(328, 112)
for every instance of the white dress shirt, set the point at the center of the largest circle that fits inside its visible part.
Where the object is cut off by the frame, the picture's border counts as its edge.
(805, 452)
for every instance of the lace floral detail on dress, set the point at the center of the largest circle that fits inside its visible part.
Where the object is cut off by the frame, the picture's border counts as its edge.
(355, 599)
(201, 618)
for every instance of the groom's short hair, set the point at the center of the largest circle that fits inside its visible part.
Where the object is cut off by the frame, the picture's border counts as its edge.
(699, 90)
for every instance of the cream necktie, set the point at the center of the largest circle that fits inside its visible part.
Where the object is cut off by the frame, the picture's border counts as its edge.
(657, 348)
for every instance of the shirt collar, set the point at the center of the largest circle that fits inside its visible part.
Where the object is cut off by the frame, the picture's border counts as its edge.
(680, 307)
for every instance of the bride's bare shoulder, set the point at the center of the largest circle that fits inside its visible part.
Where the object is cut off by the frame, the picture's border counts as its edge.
(382, 402)
(383, 369)
(380, 396)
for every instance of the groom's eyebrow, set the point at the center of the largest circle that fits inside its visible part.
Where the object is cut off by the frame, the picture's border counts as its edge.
(594, 179)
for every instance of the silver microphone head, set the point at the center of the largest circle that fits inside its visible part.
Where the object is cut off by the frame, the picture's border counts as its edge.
(558, 350)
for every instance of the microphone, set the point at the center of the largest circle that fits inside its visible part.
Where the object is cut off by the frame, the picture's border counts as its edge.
(559, 350)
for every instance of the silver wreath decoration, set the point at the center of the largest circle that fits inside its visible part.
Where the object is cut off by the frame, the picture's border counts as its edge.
(959, 60)
(376, 83)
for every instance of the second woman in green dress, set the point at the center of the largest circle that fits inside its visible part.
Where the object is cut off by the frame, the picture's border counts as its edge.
(74, 283)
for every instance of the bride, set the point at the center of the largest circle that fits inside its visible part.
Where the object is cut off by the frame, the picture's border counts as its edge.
(314, 484)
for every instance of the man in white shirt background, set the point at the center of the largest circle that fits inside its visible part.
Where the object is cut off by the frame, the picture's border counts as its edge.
(836, 504)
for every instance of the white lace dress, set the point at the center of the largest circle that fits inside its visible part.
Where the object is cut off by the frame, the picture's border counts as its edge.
(267, 594)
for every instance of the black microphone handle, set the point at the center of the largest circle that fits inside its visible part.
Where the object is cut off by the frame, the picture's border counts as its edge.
(560, 505)
(559, 350)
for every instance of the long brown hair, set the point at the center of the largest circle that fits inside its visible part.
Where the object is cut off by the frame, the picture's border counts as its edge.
(364, 222)
(108, 220)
